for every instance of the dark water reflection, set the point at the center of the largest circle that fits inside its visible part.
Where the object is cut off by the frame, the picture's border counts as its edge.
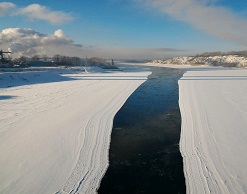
(144, 153)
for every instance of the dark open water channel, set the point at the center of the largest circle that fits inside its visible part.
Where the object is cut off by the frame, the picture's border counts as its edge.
(144, 152)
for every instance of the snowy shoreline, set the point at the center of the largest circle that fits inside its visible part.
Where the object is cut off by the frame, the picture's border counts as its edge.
(55, 128)
(213, 136)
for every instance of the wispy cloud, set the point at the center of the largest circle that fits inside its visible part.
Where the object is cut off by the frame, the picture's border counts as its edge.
(35, 12)
(205, 15)
(5, 7)
(28, 42)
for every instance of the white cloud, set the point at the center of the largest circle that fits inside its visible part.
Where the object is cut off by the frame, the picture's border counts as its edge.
(27, 42)
(205, 15)
(59, 33)
(35, 12)
(5, 7)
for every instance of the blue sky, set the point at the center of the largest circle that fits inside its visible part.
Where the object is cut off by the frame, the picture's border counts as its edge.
(129, 28)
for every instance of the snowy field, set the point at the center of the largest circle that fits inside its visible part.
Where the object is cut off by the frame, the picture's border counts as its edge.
(55, 127)
(213, 143)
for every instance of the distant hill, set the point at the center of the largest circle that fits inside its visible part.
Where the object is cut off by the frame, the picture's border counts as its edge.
(230, 59)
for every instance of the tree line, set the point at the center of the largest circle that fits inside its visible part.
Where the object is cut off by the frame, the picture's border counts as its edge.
(55, 60)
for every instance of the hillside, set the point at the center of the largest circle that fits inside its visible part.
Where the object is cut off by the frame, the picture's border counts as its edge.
(226, 60)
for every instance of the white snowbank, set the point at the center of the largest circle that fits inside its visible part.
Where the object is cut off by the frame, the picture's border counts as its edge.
(214, 130)
(55, 127)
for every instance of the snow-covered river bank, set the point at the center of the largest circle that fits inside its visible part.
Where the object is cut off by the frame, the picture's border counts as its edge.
(213, 105)
(55, 127)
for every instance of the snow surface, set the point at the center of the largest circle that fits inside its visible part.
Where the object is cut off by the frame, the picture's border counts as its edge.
(55, 127)
(213, 143)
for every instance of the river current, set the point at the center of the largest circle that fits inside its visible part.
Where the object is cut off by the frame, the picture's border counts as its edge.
(144, 152)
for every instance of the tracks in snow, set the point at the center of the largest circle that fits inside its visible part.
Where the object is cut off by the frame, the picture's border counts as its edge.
(93, 159)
